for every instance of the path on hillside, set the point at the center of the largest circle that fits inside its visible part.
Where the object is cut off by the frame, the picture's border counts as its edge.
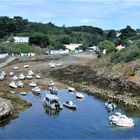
(10, 59)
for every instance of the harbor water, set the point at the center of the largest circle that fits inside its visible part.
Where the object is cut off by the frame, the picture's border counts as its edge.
(88, 121)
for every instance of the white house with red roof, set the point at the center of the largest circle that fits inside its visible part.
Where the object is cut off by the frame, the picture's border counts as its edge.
(21, 39)
(71, 46)
(119, 47)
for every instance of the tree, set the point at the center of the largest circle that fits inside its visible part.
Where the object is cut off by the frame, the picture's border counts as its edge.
(127, 33)
(39, 39)
(108, 45)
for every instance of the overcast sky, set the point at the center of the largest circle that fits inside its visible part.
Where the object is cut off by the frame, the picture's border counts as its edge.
(107, 14)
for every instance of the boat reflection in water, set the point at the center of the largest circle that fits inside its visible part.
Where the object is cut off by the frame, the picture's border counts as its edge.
(52, 112)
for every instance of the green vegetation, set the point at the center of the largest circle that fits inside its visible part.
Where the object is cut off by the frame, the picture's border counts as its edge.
(48, 36)
(129, 54)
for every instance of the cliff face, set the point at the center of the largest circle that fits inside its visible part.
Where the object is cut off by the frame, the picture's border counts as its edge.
(105, 80)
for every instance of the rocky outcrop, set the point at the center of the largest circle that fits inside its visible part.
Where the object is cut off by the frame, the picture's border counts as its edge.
(5, 108)
(102, 83)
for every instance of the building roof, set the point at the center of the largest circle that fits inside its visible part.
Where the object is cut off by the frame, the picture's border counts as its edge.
(73, 44)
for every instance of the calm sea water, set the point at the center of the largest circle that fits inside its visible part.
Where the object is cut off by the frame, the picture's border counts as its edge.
(89, 121)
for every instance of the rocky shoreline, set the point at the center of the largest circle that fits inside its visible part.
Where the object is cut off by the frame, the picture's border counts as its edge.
(84, 78)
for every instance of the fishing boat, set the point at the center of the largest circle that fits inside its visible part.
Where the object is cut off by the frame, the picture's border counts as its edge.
(69, 104)
(52, 101)
(13, 84)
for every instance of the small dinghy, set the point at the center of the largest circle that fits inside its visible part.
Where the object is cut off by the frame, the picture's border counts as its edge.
(15, 77)
(15, 68)
(71, 89)
(29, 77)
(21, 76)
(11, 73)
(51, 83)
(20, 84)
(79, 95)
(13, 84)
(23, 93)
(26, 66)
(36, 89)
(69, 104)
(32, 84)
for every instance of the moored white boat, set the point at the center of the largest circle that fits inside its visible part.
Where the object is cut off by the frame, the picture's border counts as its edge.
(121, 120)
(38, 76)
(15, 77)
(32, 84)
(58, 64)
(15, 68)
(20, 84)
(1, 77)
(51, 83)
(21, 76)
(79, 95)
(23, 93)
(13, 84)
(30, 72)
(11, 73)
(3, 73)
(53, 90)
(71, 89)
(52, 101)
(36, 89)
(26, 66)
(29, 77)
(52, 64)
(69, 104)
(110, 105)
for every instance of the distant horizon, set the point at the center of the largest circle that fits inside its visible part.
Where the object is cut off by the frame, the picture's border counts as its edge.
(70, 25)
(105, 14)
